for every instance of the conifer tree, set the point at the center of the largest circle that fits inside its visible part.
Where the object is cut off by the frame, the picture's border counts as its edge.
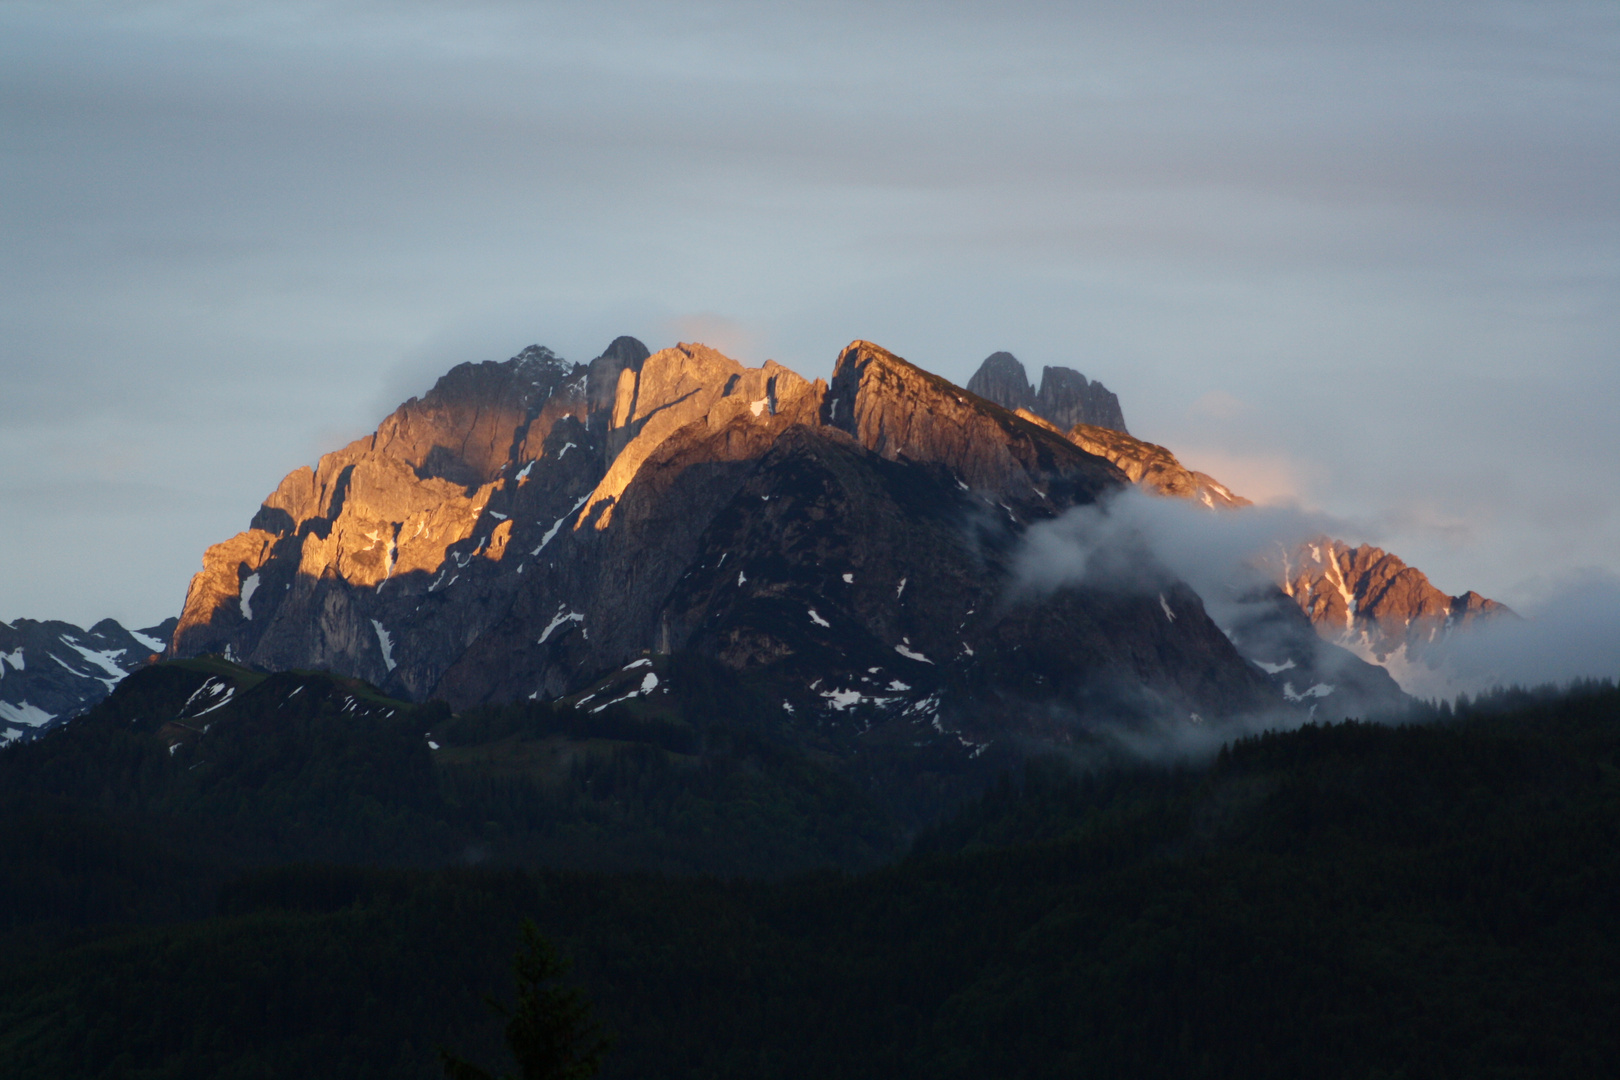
(549, 1029)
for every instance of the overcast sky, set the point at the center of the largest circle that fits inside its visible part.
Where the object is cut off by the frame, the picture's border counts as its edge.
(1361, 256)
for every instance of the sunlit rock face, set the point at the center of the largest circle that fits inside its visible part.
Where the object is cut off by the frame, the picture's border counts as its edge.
(50, 671)
(1361, 598)
(376, 536)
(1065, 398)
(1150, 466)
(1371, 601)
(527, 529)
(905, 413)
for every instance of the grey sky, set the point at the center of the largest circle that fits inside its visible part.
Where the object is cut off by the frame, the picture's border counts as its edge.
(1367, 256)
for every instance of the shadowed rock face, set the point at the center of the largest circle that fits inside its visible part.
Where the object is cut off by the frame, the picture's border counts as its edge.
(527, 529)
(1065, 398)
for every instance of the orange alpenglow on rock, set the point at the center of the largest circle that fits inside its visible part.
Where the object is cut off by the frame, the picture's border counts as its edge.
(528, 528)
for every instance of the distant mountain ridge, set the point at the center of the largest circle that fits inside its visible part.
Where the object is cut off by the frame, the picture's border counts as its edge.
(51, 670)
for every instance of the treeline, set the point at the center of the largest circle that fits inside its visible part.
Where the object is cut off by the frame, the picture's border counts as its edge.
(129, 814)
(1345, 900)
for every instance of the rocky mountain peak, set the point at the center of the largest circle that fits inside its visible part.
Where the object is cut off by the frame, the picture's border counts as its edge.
(846, 548)
(1065, 398)
(1372, 602)
(624, 354)
(1003, 380)
(905, 413)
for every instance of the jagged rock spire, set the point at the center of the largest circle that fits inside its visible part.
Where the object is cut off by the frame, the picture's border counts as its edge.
(1066, 397)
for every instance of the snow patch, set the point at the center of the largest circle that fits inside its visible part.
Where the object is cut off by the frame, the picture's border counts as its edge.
(632, 665)
(901, 589)
(151, 643)
(817, 619)
(911, 654)
(757, 407)
(213, 688)
(106, 661)
(551, 532)
(24, 713)
(566, 447)
(432, 745)
(1320, 690)
(250, 585)
(741, 577)
(1273, 669)
(849, 579)
(842, 699)
(387, 643)
(563, 615)
(15, 659)
(898, 685)
(648, 685)
(1166, 606)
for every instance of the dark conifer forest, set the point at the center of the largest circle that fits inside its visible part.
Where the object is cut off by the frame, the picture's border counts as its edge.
(300, 885)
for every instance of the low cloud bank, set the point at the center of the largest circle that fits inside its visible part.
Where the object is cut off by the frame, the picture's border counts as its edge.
(1571, 631)
(1142, 543)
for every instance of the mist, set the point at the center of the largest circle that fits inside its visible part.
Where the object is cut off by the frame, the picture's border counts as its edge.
(1568, 628)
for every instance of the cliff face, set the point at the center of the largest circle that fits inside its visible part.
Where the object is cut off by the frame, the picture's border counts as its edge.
(1371, 601)
(1065, 398)
(528, 529)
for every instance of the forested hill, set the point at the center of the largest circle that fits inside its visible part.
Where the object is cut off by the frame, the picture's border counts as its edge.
(1343, 900)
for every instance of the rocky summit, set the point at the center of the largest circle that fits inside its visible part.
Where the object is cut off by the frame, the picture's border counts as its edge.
(1362, 598)
(1373, 603)
(1065, 398)
(538, 529)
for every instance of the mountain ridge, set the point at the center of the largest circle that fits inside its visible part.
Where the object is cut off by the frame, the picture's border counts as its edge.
(1359, 597)
(51, 670)
(431, 565)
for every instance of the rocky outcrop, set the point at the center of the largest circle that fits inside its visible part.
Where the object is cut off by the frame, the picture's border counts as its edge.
(907, 414)
(50, 671)
(341, 558)
(1372, 602)
(1360, 597)
(1065, 398)
(527, 529)
(1150, 466)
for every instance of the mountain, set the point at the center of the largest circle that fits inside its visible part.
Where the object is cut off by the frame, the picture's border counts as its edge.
(1064, 399)
(53, 670)
(1362, 598)
(535, 529)
(1370, 601)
